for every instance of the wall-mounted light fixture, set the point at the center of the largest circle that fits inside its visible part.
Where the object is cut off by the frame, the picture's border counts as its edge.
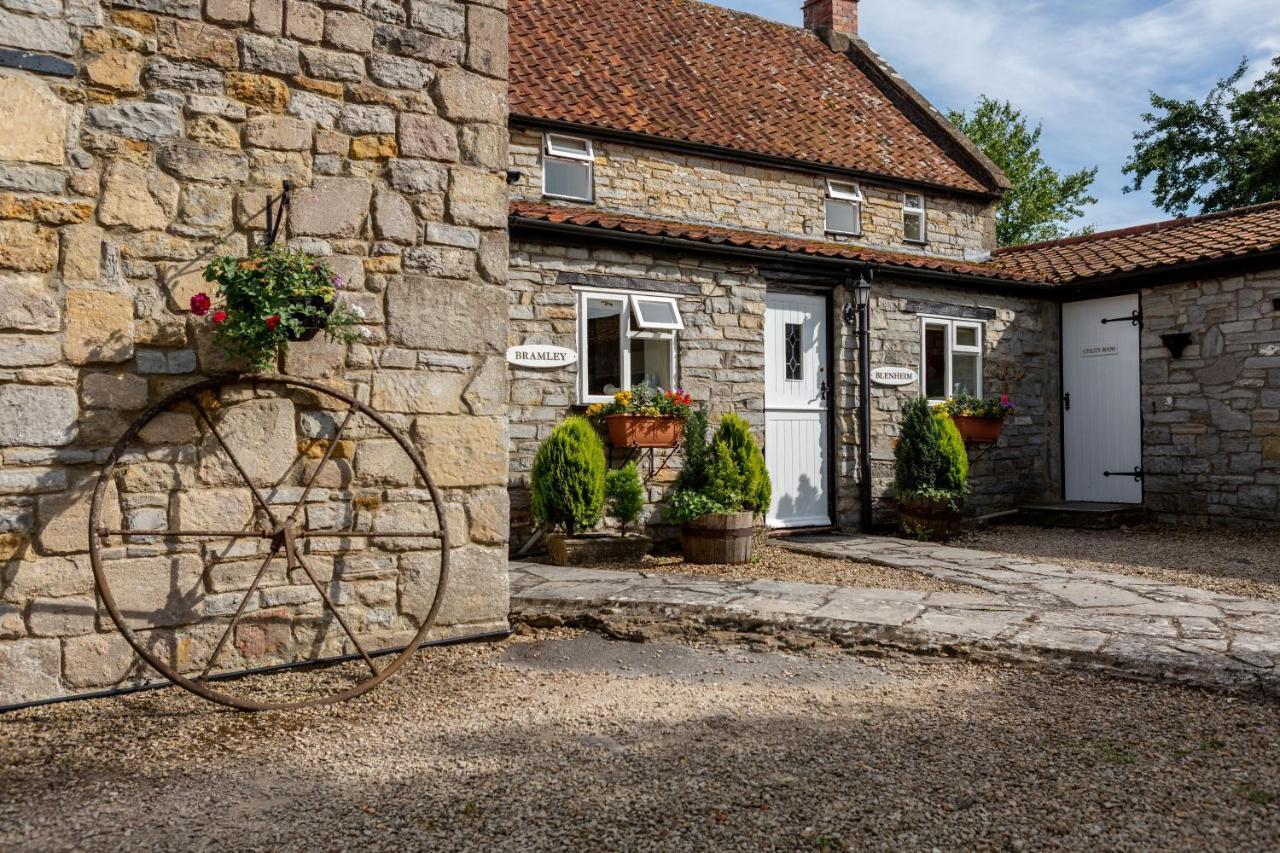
(513, 177)
(1176, 342)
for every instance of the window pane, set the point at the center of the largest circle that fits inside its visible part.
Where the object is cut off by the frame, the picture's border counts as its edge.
(913, 226)
(652, 311)
(966, 336)
(913, 201)
(603, 356)
(651, 362)
(568, 145)
(964, 374)
(794, 352)
(568, 178)
(842, 216)
(935, 362)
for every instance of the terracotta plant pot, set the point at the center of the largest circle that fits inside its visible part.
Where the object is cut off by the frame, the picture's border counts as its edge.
(596, 548)
(644, 431)
(719, 539)
(978, 430)
(928, 519)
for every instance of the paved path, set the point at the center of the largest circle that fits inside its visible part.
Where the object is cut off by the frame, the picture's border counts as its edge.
(1020, 610)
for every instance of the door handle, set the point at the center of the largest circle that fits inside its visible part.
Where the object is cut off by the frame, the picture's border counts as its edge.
(1066, 402)
(823, 390)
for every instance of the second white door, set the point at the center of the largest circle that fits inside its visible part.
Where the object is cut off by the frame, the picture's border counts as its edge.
(797, 390)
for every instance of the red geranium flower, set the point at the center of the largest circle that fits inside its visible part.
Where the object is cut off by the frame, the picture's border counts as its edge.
(200, 304)
(273, 321)
(219, 317)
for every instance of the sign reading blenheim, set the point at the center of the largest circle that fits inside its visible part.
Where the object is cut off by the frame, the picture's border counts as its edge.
(541, 356)
(894, 376)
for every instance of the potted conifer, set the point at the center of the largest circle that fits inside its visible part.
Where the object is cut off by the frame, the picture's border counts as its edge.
(930, 473)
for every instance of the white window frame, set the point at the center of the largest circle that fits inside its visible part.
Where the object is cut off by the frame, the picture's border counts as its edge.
(847, 192)
(924, 218)
(553, 150)
(646, 331)
(951, 324)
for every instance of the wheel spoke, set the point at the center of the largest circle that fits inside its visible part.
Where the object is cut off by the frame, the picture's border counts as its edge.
(367, 534)
(294, 556)
(236, 463)
(253, 586)
(195, 534)
(328, 452)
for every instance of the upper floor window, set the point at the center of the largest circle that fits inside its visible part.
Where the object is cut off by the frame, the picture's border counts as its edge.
(844, 208)
(913, 227)
(625, 340)
(951, 359)
(568, 167)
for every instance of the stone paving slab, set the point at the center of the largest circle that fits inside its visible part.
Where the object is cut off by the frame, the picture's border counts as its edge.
(1019, 610)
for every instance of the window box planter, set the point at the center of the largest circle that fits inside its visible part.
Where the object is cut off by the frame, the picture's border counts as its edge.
(928, 518)
(597, 548)
(978, 430)
(719, 539)
(644, 431)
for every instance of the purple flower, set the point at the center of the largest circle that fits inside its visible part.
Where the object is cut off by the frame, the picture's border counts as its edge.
(337, 282)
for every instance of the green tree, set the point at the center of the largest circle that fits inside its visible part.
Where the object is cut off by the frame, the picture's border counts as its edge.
(1042, 200)
(1216, 154)
(568, 477)
(930, 458)
(735, 434)
(624, 495)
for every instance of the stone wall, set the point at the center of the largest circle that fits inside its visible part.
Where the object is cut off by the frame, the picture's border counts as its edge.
(1211, 433)
(720, 351)
(664, 184)
(141, 135)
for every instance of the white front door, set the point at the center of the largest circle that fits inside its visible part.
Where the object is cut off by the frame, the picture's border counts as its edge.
(797, 385)
(1101, 400)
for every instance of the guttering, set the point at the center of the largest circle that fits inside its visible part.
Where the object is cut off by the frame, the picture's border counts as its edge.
(706, 149)
(1134, 280)
(590, 232)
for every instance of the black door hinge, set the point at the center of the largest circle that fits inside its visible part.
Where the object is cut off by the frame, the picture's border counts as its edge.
(1137, 473)
(1135, 318)
(1066, 402)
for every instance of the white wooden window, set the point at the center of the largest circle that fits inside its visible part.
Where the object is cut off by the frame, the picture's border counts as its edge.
(568, 167)
(844, 208)
(950, 358)
(625, 340)
(913, 218)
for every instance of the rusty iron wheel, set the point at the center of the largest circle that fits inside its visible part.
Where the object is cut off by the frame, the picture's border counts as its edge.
(285, 536)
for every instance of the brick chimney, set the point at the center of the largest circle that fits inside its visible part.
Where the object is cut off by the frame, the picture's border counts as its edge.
(838, 15)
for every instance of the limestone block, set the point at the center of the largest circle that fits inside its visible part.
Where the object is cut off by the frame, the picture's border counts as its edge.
(477, 197)
(486, 394)
(227, 11)
(465, 96)
(197, 42)
(316, 358)
(269, 168)
(213, 509)
(99, 327)
(485, 145)
(332, 207)
(303, 21)
(431, 313)
(411, 517)
(118, 69)
(333, 65)
(263, 437)
(52, 576)
(393, 218)
(417, 176)
(462, 451)
(323, 112)
(63, 617)
(29, 350)
(237, 575)
(382, 461)
(478, 587)
(213, 130)
(11, 625)
(81, 253)
(267, 16)
(487, 40)
(98, 660)
(37, 416)
(42, 134)
(32, 481)
(171, 428)
(197, 163)
(182, 77)
(258, 90)
(267, 633)
(348, 31)
(428, 137)
(278, 132)
(206, 206)
(488, 512)
(31, 179)
(269, 55)
(399, 72)
(377, 147)
(138, 120)
(137, 198)
(28, 302)
(418, 391)
(439, 18)
(64, 518)
(29, 670)
(157, 591)
(27, 247)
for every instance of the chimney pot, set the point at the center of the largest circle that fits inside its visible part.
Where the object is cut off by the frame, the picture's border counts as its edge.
(838, 15)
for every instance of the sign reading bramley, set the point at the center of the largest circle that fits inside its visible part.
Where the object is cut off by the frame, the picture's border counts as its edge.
(894, 376)
(542, 356)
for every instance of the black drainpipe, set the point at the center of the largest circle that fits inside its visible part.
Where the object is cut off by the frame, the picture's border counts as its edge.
(864, 405)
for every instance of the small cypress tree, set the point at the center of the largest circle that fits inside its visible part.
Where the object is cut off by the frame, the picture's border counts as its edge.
(624, 494)
(568, 477)
(918, 456)
(696, 452)
(735, 434)
(724, 481)
(953, 473)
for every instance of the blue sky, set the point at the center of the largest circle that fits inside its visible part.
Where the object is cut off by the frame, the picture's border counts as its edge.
(1083, 67)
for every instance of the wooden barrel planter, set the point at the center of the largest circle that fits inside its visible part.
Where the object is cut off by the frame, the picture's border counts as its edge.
(719, 539)
(644, 431)
(978, 430)
(928, 518)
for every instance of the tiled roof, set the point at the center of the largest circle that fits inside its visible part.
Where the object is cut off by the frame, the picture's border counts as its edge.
(699, 73)
(606, 221)
(1212, 237)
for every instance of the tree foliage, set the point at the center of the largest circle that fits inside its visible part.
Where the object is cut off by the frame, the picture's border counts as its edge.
(1215, 154)
(1042, 201)
(624, 495)
(930, 459)
(568, 477)
(735, 434)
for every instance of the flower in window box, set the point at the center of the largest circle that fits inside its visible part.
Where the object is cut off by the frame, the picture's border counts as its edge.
(644, 416)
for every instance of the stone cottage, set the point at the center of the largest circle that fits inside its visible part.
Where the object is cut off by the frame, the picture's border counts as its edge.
(746, 176)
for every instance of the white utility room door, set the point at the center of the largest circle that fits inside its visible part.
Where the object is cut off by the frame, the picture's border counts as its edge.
(797, 388)
(1101, 400)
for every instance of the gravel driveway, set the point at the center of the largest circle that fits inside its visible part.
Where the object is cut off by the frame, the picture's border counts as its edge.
(1224, 561)
(568, 741)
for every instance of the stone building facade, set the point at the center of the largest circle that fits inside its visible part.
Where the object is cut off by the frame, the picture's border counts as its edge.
(140, 137)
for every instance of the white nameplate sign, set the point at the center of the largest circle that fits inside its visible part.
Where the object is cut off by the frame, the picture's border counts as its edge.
(894, 376)
(543, 356)
(1096, 352)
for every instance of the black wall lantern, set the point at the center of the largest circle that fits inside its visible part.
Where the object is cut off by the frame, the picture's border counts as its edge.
(1176, 342)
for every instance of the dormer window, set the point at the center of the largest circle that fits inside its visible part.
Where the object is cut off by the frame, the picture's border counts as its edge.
(913, 227)
(844, 208)
(568, 167)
